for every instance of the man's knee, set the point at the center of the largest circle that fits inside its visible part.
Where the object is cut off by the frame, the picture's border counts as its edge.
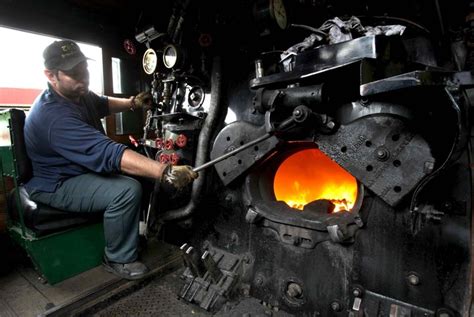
(131, 189)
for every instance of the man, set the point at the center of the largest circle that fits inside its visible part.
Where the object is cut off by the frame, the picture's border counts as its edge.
(76, 167)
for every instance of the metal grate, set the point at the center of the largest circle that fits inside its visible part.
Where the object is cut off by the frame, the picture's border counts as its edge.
(159, 298)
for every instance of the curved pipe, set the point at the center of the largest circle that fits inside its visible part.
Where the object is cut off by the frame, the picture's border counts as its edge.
(203, 147)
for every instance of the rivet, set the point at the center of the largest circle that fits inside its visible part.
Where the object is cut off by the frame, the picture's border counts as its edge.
(357, 292)
(413, 279)
(335, 306)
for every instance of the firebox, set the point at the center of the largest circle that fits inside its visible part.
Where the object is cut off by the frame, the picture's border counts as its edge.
(304, 196)
(300, 177)
(309, 175)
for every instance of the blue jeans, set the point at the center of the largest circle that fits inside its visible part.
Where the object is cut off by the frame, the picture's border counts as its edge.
(117, 196)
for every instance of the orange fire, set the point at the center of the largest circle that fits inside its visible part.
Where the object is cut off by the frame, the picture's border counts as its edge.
(310, 175)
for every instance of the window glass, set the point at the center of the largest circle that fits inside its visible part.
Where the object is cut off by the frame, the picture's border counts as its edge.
(116, 76)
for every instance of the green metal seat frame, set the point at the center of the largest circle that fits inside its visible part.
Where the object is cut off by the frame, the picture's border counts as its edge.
(56, 256)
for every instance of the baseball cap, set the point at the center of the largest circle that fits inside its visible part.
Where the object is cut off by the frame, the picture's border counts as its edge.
(63, 55)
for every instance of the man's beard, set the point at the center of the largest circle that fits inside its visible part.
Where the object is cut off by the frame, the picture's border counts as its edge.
(75, 94)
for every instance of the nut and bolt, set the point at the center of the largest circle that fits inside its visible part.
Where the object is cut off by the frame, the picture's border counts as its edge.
(382, 154)
(357, 292)
(364, 101)
(330, 125)
(428, 167)
(413, 279)
(294, 290)
(335, 306)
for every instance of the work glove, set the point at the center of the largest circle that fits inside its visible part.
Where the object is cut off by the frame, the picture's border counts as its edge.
(178, 176)
(142, 100)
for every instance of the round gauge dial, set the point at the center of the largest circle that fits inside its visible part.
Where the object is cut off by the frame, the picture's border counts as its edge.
(196, 97)
(150, 61)
(170, 56)
(278, 11)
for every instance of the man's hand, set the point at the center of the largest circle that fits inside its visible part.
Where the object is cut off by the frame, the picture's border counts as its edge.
(142, 100)
(178, 176)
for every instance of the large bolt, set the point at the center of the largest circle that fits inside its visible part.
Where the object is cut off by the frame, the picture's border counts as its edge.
(301, 113)
(330, 125)
(229, 198)
(357, 292)
(294, 290)
(428, 167)
(364, 101)
(335, 306)
(413, 279)
(382, 154)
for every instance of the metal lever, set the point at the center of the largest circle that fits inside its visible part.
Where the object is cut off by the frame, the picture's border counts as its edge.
(192, 260)
(211, 266)
(285, 124)
(229, 154)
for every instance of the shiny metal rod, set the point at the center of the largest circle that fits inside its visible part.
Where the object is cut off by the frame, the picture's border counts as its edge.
(231, 153)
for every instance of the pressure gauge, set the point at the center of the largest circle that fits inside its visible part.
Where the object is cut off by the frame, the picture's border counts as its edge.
(150, 61)
(270, 15)
(196, 97)
(278, 12)
(172, 56)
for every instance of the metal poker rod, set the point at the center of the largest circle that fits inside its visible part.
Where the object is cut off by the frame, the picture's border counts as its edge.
(285, 124)
(231, 153)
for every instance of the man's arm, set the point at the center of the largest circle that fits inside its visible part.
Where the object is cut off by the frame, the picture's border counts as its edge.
(135, 164)
(119, 104)
(139, 165)
(142, 100)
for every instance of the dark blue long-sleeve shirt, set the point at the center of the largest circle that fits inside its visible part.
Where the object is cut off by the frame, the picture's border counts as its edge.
(64, 139)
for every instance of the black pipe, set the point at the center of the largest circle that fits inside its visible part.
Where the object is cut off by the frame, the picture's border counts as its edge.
(204, 141)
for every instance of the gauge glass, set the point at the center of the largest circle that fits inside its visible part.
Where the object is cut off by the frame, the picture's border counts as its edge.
(150, 61)
(170, 56)
(279, 13)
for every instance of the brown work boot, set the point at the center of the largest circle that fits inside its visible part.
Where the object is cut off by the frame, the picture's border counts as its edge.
(130, 271)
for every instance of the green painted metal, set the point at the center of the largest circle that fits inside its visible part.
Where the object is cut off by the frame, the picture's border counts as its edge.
(6, 154)
(8, 161)
(61, 255)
